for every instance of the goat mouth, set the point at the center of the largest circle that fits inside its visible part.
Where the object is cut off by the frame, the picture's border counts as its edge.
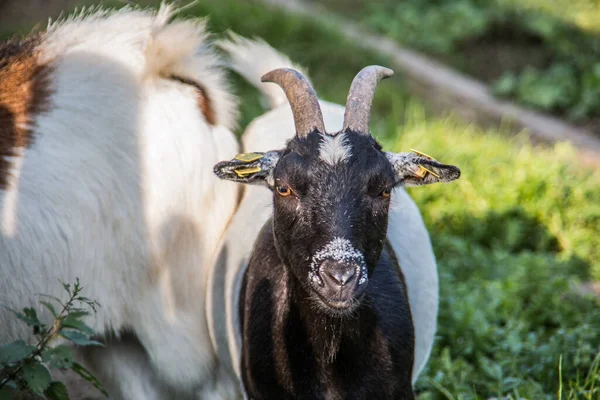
(338, 307)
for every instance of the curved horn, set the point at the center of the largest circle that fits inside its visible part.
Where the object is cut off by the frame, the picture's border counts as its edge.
(360, 98)
(302, 99)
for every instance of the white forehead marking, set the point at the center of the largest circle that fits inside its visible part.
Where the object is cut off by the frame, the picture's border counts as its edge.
(339, 249)
(335, 149)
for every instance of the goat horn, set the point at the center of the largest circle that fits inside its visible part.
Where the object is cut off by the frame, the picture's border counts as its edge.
(360, 98)
(302, 99)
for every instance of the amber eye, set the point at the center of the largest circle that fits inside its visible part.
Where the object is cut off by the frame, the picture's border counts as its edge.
(386, 192)
(283, 190)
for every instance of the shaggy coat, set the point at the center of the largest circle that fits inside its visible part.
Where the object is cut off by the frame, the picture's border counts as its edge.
(110, 123)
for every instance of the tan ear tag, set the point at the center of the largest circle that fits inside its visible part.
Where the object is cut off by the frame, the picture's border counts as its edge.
(422, 172)
(249, 157)
(246, 171)
(422, 155)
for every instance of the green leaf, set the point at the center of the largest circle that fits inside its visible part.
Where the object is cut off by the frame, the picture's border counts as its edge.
(84, 299)
(77, 287)
(73, 321)
(57, 391)
(51, 297)
(79, 338)
(50, 308)
(93, 304)
(29, 316)
(60, 356)
(37, 377)
(85, 374)
(77, 313)
(15, 351)
(66, 286)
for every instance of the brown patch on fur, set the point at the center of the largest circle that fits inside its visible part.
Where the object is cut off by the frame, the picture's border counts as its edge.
(204, 102)
(24, 94)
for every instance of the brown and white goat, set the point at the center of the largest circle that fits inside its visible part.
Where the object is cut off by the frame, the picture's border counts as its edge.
(110, 123)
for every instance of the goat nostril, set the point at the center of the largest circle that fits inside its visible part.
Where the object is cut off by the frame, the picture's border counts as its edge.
(341, 276)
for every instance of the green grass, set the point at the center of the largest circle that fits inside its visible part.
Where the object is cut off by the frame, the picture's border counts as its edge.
(513, 236)
(584, 14)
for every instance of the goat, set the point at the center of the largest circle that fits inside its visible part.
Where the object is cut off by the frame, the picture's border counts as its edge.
(110, 123)
(407, 233)
(298, 325)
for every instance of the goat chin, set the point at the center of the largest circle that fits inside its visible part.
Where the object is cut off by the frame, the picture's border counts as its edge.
(407, 233)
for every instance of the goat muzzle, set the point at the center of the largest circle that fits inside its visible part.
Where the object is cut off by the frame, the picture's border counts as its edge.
(341, 283)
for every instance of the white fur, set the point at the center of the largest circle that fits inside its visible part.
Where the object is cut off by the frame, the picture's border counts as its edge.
(118, 190)
(335, 149)
(406, 230)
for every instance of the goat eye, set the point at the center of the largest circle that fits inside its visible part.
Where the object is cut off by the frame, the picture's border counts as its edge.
(283, 190)
(386, 192)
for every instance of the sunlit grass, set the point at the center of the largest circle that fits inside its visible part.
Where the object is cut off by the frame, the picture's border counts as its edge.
(499, 174)
(585, 14)
(513, 237)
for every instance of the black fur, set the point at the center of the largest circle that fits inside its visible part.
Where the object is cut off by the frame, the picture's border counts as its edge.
(340, 201)
(294, 350)
(297, 342)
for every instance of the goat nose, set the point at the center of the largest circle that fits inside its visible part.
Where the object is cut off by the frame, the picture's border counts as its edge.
(340, 276)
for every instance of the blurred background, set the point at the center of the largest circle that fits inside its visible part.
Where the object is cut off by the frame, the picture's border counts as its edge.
(518, 236)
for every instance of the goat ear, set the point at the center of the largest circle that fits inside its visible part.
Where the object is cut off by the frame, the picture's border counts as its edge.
(416, 169)
(253, 168)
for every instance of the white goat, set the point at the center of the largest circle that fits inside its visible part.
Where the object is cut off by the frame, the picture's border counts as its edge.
(406, 231)
(110, 123)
